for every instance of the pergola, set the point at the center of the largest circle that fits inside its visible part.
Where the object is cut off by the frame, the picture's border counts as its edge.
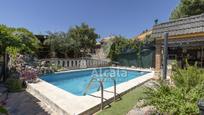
(186, 40)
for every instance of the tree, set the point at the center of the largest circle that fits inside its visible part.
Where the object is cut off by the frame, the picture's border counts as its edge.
(188, 8)
(61, 43)
(69, 46)
(78, 41)
(14, 40)
(54, 41)
(85, 36)
(8, 42)
(30, 43)
(118, 46)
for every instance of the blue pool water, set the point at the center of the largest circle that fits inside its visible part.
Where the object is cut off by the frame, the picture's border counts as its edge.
(76, 82)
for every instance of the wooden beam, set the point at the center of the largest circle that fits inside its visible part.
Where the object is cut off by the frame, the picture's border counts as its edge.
(184, 36)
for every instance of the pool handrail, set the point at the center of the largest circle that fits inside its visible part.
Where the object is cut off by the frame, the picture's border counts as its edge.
(101, 86)
(101, 81)
(89, 85)
(114, 84)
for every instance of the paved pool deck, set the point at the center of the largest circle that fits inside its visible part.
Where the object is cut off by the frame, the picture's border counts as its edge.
(23, 103)
(65, 103)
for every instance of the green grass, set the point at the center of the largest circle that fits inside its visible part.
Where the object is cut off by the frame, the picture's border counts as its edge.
(123, 106)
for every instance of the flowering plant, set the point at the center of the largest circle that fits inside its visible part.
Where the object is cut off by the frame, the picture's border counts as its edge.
(28, 74)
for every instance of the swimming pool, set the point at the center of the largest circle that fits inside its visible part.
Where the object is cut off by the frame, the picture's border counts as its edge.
(76, 82)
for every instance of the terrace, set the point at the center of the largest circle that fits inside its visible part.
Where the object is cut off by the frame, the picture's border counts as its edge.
(76, 72)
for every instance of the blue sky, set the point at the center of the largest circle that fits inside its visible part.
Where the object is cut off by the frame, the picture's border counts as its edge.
(124, 17)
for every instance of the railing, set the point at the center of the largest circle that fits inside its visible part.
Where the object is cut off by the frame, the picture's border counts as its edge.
(77, 63)
(101, 88)
(114, 83)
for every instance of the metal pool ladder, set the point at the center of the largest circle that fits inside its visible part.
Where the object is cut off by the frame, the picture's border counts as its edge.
(101, 87)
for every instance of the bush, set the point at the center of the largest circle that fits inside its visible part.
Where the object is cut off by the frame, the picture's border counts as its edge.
(3, 111)
(182, 96)
(14, 85)
(188, 78)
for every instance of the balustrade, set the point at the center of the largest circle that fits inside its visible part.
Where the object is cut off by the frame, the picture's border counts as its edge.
(77, 63)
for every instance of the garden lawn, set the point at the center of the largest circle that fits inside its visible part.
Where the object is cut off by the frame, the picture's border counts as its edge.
(123, 106)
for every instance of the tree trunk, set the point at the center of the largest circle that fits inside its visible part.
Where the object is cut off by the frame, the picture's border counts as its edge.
(65, 55)
(5, 65)
(53, 54)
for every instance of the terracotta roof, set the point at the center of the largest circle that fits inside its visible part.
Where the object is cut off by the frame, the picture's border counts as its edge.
(188, 25)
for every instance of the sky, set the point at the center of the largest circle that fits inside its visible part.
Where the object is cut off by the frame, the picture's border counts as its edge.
(109, 17)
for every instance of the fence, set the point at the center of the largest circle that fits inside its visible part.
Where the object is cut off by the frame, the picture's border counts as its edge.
(77, 63)
(145, 59)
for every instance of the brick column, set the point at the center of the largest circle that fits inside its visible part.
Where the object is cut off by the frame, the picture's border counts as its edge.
(158, 58)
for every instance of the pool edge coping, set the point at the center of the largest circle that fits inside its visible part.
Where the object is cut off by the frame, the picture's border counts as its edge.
(129, 84)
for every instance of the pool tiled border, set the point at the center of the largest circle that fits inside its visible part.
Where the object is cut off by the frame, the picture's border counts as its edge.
(66, 103)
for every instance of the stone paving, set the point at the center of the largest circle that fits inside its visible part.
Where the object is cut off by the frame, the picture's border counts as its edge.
(148, 110)
(22, 103)
(3, 93)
